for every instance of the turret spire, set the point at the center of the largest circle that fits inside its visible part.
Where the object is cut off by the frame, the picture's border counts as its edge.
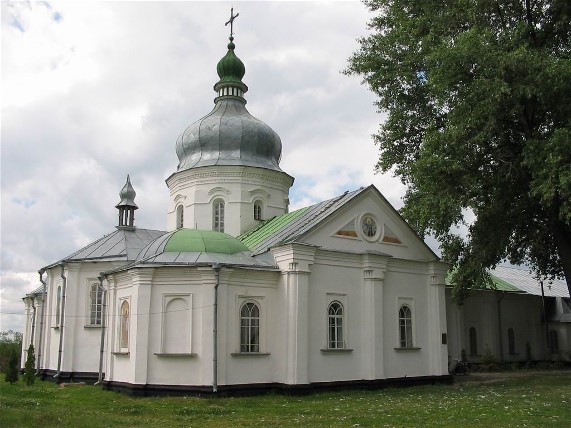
(231, 69)
(127, 206)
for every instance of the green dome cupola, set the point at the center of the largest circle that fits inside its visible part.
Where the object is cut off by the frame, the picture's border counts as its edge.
(230, 70)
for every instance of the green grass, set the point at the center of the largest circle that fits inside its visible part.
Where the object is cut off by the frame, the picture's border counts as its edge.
(532, 399)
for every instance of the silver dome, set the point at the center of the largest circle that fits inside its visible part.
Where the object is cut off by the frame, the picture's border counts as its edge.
(229, 135)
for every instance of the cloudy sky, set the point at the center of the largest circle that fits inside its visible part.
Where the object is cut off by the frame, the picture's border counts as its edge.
(92, 92)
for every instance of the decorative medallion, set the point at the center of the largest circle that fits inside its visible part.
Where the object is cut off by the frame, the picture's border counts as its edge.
(369, 226)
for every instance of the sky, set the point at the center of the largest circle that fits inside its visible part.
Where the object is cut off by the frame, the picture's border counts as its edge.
(93, 91)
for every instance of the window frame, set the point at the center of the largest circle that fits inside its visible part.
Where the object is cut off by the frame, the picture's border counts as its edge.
(511, 342)
(405, 323)
(218, 214)
(94, 304)
(553, 339)
(250, 343)
(179, 216)
(258, 210)
(473, 341)
(335, 326)
(58, 306)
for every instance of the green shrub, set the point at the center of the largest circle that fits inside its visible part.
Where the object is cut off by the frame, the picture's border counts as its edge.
(12, 368)
(30, 367)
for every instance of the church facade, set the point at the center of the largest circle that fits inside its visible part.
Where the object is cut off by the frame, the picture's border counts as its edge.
(240, 293)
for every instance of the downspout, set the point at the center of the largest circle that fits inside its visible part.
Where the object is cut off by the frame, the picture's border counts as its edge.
(103, 315)
(44, 303)
(61, 322)
(216, 268)
(33, 321)
(545, 320)
(502, 295)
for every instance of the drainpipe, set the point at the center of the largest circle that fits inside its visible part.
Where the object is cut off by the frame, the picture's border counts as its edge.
(500, 326)
(216, 268)
(44, 291)
(61, 323)
(33, 321)
(545, 320)
(103, 314)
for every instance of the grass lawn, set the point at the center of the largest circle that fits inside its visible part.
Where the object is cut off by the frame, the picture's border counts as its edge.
(527, 398)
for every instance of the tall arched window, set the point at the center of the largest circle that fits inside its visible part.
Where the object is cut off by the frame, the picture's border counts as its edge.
(58, 305)
(405, 327)
(335, 326)
(553, 342)
(257, 210)
(95, 304)
(179, 217)
(124, 333)
(473, 341)
(511, 341)
(249, 327)
(218, 216)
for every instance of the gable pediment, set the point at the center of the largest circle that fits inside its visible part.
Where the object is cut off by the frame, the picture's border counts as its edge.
(368, 223)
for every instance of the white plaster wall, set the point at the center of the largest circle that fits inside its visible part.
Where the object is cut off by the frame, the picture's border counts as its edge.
(520, 312)
(406, 282)
(239, 187)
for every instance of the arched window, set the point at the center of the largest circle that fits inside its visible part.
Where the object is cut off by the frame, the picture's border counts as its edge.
(335, 326)
(124, 333)
(511, 341)
(405, 327)
(95, 304)
(553, 342)
(249, 327)
(218, 216)
(473, 341)
(179, 217)
(257, 210)
(58, 305)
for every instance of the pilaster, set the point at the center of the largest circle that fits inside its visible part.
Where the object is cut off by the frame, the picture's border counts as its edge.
(139, 319)
(437, 331)
(70, 319)
(374, 268)
(295, 261)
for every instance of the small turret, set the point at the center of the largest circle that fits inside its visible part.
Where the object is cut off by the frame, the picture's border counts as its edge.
(127, 206)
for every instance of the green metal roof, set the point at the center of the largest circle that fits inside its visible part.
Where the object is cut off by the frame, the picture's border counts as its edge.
(504, 285)
(269, 227)
(209, 241)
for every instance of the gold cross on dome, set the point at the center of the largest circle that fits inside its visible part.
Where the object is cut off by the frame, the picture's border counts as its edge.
(231, 21)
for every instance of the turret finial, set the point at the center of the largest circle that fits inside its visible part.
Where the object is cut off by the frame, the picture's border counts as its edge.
(127, 205)
(231, 22)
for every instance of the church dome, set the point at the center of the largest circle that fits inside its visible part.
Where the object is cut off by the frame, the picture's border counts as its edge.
(193, 241)
(229, 134)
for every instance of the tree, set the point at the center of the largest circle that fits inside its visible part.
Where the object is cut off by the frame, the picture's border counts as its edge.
(479, 126)
(30, 367)
(12, 368)
(9, 340)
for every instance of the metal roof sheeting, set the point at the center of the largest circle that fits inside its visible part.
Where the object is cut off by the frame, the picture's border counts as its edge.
(523, 280)
(288, 227)
(122, 244)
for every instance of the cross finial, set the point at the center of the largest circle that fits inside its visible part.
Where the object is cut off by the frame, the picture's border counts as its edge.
(231, 22)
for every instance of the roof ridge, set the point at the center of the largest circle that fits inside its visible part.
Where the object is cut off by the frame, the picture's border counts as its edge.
(327, 205)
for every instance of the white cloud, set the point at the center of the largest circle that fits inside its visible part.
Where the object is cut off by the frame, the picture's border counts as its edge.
(92, 92)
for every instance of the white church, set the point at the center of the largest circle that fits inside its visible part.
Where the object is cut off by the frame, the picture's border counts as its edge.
(240, 294)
